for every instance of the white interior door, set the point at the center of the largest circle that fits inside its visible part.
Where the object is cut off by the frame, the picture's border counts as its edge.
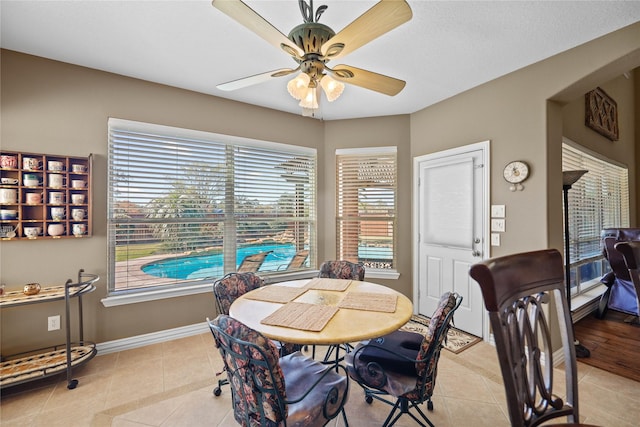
(452, 201)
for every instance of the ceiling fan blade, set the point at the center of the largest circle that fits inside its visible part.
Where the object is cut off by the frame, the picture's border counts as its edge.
(367, 79)
(254, 80)
(249, 18)
(383, 17)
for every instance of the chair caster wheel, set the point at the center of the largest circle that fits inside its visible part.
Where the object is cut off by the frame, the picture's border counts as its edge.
(72, 384)
(430, 405)
(217, 391)
(368, 399)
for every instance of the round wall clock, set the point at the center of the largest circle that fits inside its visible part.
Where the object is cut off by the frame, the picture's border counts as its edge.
(516, 172)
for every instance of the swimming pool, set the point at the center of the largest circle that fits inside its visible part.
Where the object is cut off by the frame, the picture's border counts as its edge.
(202, 266)
(199, 267)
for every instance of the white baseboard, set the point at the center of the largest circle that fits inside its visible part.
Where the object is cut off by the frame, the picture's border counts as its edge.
(151, 338)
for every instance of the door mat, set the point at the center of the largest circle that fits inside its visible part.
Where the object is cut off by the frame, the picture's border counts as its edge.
(456, 340)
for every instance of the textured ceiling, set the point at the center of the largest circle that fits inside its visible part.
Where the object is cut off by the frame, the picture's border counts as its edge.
(446, 48)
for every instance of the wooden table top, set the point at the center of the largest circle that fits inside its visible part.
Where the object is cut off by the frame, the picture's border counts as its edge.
(347, 325)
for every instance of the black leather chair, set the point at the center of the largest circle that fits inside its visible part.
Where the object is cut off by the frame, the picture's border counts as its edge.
(621, 294)
(400, 368)
(630, 251)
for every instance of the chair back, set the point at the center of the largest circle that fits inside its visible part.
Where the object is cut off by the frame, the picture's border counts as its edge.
(252, 263)
(615, 258)
(429, 354)
(341, 270)
(298, 259)
(408, 375)
(251, 362)
(520, 291)
(631, 254)
(233, 285)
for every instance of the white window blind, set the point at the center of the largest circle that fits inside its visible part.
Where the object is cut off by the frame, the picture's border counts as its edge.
(366, 206)
(599, 199)
(186, 205)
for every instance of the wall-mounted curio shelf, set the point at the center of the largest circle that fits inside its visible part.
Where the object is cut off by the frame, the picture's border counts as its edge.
(44, 196)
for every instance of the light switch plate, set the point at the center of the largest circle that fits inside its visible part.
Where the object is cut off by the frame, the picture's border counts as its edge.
(495, 239)
(497, 211)
(498, 225)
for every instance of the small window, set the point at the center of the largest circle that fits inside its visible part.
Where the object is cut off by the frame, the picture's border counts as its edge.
(366, 182)
(187, 206)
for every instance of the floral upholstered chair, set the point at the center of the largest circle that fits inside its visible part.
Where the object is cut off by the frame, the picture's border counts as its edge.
(400, 368)
(341, 270)
(293, 390)
(233, 285)
(226, 291)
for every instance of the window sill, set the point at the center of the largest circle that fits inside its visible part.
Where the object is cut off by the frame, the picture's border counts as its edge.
(154, 295)
(201, 288)
(381, 274)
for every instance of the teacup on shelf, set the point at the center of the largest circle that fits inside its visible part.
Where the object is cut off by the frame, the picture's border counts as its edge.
(31, 289)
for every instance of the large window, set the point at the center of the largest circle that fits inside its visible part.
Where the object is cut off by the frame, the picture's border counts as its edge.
(599, 199)
(185, 206)
(366, 206)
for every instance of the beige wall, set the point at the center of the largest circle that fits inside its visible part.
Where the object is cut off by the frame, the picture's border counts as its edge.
(515, 113)
(371, 132)
(57, 108)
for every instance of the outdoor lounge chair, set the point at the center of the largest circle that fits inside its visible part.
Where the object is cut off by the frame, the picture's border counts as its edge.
(298, 260)
(252, 263)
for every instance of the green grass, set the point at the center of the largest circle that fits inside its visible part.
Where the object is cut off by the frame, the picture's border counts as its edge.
(124, 253)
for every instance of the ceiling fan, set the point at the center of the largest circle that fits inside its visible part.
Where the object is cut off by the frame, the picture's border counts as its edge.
(312, 45)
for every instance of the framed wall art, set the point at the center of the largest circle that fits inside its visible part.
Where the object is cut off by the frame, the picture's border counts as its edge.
(601, 113)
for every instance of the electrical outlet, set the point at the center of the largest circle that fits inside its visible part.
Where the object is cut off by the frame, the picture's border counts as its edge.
(53, 323)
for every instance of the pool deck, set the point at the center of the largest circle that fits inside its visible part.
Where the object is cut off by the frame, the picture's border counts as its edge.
(132, 271)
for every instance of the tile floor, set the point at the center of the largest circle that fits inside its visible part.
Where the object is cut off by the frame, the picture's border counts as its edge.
(170, 384)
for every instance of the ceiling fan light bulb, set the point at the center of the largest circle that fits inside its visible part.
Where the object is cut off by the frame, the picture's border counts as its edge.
(310, 99)
(297, 86)
(332, 88)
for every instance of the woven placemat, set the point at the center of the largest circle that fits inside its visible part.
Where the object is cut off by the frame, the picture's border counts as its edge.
(370, 301)
(324, 284)
(274, 293)
(299, 315)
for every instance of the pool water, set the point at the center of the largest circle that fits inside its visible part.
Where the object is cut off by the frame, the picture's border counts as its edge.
(199, 267)
(203, 266)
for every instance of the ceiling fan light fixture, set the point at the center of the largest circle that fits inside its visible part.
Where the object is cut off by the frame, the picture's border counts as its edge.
(298, 86)
(310, 99)
(332, 88)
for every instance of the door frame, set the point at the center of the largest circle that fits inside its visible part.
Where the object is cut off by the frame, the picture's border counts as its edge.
(484, 147)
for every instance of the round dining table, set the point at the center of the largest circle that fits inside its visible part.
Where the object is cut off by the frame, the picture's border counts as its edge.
(345, 326)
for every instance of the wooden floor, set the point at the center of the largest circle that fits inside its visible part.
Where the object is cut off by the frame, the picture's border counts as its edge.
(614, 344)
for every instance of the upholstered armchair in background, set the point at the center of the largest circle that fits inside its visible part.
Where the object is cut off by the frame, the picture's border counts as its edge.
(342, 270)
